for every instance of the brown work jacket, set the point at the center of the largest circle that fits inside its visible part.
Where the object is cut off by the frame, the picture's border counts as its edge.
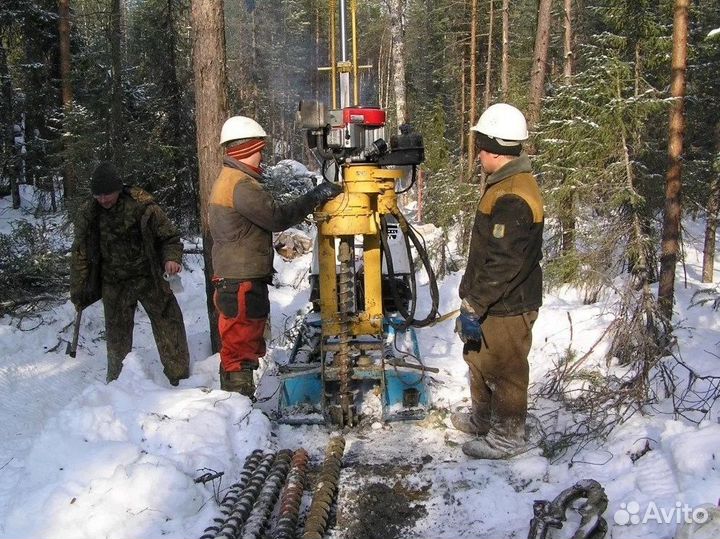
(503, 275)
(242, 216)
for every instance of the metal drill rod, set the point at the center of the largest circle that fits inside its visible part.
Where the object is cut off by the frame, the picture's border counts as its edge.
(258, 518)
(291, 497)
(242, 508)
(233, 493)
(325, 490)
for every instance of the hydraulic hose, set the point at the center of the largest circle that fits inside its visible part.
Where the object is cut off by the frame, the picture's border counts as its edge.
(410, 236)
(408, 316)
(413, 178)
(432, 281)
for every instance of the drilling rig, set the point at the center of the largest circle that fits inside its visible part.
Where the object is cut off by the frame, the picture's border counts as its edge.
(363, 277)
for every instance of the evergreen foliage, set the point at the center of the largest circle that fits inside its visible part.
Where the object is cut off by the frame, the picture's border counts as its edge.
(32, 264)
(601, 141)
(590, 147)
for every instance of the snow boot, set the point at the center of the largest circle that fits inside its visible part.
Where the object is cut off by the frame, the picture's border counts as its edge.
(238, 381)
(473, 421)
(501, 442)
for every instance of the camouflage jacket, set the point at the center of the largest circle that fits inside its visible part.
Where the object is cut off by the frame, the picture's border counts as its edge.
(132, 239)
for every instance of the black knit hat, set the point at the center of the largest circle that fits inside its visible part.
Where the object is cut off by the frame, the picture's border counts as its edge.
(105, 179)
(489, 144)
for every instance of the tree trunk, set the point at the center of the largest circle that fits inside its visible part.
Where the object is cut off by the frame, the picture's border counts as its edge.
(473, 86)
(65, 62)
(708, 267)
(463, 110)
(7, 124)
(171, 87)
(713, 206)
(567, 218)
(488, 65)
(539, 65)
(568, 44)
(208, 58)
(316, 74)
(7, 120)
(396, 9)
(420, 193)
(69, 176)
(505, 69)
(117, 124)
(673, 183)
(381, 75)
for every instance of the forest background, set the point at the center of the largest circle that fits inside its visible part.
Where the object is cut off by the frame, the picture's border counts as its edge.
(621, 96)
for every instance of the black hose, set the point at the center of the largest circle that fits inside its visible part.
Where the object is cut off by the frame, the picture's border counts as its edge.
(397, 300)
(412, 181)
(422, 252)
(409, 235)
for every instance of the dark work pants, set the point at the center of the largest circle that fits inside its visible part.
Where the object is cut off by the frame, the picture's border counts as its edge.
(120, 301)
(499, 370)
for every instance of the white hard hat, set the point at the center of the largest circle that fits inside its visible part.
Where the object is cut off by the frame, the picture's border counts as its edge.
(240, 127)
(504, 123)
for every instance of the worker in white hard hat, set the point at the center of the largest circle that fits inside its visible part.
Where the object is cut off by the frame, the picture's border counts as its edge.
(501, 290)
(242, 217)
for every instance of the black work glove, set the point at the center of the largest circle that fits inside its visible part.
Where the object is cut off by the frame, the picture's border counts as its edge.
(324, 192)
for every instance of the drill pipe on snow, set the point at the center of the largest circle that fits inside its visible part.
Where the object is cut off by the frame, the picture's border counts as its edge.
(325, 490)
(268, 496)
(291, 497)
(244, 504)
(233, 493)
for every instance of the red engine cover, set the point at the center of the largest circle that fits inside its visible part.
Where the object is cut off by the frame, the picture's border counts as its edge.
(371, 117)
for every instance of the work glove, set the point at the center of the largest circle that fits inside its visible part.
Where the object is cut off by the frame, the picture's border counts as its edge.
(324, 192)
(467, 324)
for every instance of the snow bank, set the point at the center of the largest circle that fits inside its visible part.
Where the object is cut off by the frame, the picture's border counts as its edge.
(119, 459)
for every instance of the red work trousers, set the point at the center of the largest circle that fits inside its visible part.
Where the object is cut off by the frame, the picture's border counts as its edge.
(243, 311)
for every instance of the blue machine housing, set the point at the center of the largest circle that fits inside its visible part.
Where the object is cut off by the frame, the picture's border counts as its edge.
(306, 388)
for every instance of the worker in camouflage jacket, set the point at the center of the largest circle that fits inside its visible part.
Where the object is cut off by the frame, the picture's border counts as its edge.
(124, 243)
(501, 289)
(242, 216)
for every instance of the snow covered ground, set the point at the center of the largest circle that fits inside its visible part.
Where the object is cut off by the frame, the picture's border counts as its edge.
(79, 458)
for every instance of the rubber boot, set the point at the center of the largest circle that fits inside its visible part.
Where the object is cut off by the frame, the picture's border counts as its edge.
(238, 381)
(503, 441)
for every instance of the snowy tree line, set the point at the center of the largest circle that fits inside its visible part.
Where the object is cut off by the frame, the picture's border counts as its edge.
(83, 81)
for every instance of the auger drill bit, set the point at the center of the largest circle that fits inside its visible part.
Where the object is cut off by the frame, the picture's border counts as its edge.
(267, 497)
(233, 493)
(325, 490)
(291, 497)
(230, 528)
(342, 356)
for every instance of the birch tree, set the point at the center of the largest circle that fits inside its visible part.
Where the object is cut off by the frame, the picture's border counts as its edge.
(396, 10)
